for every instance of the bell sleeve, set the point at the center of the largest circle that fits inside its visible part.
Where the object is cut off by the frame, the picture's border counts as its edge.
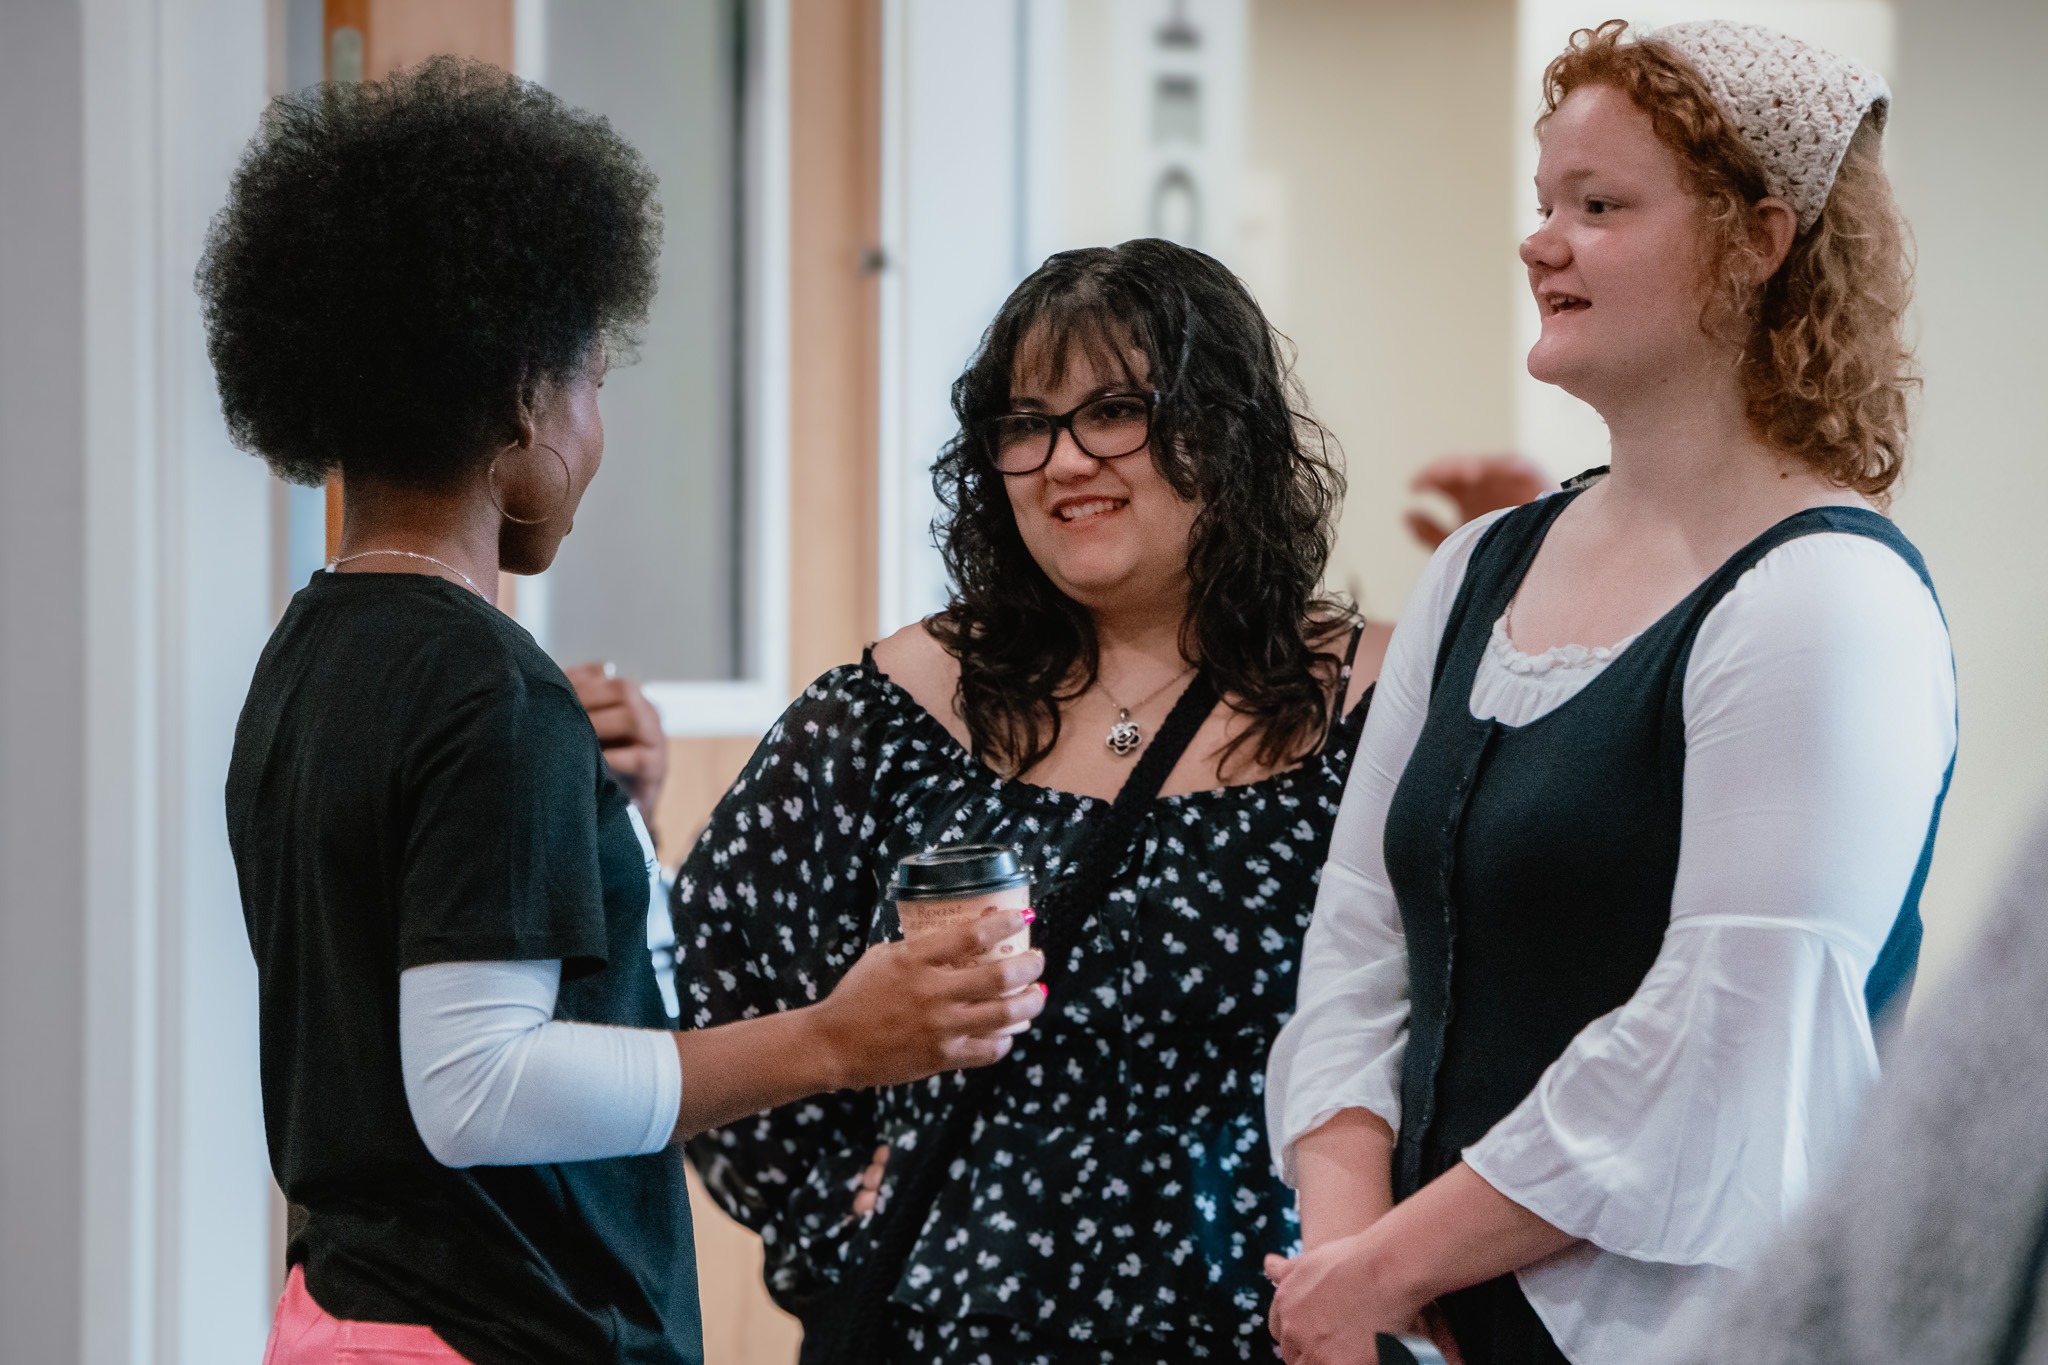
(1343, 1047)
(1681, 1129)
(771, 907)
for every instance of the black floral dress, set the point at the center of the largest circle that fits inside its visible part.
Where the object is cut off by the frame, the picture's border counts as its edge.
(1118, 1197)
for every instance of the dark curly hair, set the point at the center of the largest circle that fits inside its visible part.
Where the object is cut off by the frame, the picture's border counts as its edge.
(400, 263)
(1231, 432)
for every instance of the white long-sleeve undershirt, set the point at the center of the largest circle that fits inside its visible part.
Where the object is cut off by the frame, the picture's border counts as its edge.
(494, 1079)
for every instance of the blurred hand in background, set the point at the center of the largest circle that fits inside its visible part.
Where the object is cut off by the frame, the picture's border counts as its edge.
(629, 728)
(1476, 485)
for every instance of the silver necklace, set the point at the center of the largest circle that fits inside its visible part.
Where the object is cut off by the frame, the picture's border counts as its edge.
(1125, 738)
(333, 564)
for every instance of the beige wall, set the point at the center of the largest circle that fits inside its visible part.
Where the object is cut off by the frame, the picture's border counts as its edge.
(1382, 209)
(1380, 171)
(1966, 156)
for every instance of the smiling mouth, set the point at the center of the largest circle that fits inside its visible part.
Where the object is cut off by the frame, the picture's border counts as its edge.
(1554, 304)
(1085, 508)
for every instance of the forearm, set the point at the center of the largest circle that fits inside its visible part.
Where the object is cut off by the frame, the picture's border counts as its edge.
(492, 1079)
(1343, 1170)
(902, 1012)
(733, 1070)
(1456, 1231)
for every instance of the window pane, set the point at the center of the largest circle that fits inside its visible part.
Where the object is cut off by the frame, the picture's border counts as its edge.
(651, 578)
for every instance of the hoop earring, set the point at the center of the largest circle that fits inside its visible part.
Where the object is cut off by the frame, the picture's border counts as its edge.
(491, 486)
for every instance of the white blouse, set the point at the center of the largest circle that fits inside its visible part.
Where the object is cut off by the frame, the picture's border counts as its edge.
(1677, 1132)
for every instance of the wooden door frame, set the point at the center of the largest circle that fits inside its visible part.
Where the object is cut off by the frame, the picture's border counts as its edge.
(834, 168)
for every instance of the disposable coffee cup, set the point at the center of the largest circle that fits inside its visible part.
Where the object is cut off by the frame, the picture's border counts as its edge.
(941, 887)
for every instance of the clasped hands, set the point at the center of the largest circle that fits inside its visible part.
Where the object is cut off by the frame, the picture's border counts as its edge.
(1330, 1304)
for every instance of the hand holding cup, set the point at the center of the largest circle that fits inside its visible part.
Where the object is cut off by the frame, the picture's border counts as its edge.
(946, 1001)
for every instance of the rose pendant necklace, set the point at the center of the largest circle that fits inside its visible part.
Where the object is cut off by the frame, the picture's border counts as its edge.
(1125, 738)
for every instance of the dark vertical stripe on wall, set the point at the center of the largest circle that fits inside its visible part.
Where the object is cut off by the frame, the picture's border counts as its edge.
(1020, 151)
(42, 677)
(741, 602)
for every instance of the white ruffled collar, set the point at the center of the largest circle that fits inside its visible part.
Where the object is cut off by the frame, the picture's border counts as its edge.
(1501, 651)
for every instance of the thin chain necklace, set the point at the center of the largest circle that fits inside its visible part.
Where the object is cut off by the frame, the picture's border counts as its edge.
(334, 564)
(1125, 738)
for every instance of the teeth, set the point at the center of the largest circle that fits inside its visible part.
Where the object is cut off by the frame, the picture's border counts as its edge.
(1075, 511)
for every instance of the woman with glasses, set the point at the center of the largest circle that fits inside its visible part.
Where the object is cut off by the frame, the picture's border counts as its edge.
(1135, 494)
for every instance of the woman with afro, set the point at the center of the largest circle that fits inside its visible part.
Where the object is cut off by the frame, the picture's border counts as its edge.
(471, 1090)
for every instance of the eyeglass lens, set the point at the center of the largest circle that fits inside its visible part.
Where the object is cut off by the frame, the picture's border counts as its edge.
(1106, 428)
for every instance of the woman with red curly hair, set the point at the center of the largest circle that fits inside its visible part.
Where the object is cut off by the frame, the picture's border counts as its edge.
(1630, 858)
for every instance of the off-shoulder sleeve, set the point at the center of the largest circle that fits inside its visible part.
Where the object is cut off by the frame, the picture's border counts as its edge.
(1679, 1130)
(1343, 1047)
(771, 907)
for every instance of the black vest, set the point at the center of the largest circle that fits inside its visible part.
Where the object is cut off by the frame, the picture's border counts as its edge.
(1533, 864)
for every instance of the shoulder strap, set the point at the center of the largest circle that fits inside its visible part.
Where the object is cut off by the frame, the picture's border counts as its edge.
(1492, 575)
(1337, 708)
(1103, 851)
(863, 1301)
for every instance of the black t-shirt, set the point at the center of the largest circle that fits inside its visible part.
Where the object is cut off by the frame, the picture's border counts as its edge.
(414, 782)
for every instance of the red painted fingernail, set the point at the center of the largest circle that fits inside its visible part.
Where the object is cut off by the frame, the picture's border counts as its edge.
(1043, 989)
(1029, 915)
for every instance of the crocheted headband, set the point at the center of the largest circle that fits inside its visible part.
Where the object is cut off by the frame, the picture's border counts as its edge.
(1796, 105)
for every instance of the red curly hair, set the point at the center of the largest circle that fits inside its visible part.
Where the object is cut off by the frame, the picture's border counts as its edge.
(1826, 371)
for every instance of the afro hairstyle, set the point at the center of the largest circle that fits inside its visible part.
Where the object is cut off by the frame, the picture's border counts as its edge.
(401, 263)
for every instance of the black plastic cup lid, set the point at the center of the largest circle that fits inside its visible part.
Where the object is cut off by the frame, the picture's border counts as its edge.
(939, 874)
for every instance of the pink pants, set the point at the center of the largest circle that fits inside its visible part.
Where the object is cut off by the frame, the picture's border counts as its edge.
(303, 1333)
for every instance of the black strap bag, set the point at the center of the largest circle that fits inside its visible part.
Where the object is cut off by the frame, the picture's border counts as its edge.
(848, 1329)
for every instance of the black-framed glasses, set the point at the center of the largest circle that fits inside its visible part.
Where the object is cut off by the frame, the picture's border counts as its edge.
(1107, 428)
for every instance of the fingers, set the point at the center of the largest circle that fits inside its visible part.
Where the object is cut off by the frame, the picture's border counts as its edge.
(1427, 529)
(596, 687)
(988, 978)
(964, 1054)
(646, 714)
(868, 1192)
(969, 940)
(1437, 1329)
(1450, 474)
(989, 930)
(618, 707)
(628, 727)
(626, 763)
(1004, 1015)
(614, 723)
(1276, 1267)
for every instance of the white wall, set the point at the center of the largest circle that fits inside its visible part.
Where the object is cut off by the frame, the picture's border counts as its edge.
(134, 595)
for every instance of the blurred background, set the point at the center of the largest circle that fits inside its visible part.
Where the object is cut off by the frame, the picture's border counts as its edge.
(851, 187)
